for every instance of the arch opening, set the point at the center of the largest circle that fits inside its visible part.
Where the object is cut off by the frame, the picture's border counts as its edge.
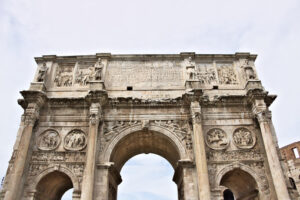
(141, 142)
(241, 184)
(53, 186)
(147, 176)
(144, 142)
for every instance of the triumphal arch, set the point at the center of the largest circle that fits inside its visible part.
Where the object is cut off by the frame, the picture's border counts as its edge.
(85, 116)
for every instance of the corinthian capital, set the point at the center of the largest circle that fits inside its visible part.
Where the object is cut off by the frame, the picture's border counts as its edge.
(196, 112)
(264, 116)
(95, 113)
(31, 114)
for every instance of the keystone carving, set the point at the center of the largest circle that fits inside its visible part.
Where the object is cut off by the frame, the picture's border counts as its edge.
(49, 140)
(243, 138)
(217, 139)
(75, 140)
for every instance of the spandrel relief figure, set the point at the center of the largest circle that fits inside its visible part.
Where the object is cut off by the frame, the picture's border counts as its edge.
(48, 140)
(217, 139)
(42, 73)
(75, 140)
(243, 138)
(227, 75)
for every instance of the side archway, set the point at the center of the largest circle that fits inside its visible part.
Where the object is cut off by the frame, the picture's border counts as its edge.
(242, 181)
(53, 182)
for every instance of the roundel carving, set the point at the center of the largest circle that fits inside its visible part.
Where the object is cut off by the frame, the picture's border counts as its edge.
(217, 139)
(48, 140)
(243, 138)
(75, 140)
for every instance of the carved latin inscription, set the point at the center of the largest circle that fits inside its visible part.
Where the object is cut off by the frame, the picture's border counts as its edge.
(144, 75)
(75, 140)
(48, 140)
(243, 138)
(217, 139)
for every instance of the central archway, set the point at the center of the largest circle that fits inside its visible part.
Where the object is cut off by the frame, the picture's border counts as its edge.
(154, 140)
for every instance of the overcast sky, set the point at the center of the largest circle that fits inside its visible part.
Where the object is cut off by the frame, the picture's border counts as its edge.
(269, 28)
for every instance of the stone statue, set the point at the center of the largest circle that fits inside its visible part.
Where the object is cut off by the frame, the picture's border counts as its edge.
(42, 73)
(250, 75)
(98, 70)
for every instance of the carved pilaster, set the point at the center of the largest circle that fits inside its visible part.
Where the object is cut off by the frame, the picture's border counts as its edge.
(263, 115)
(34, 100)
(199, 150)
(96, 100)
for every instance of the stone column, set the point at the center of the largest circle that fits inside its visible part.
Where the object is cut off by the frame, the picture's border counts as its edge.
(15, 187)
(199, 150)
(264, 118)
(184, 177)
(89, 171)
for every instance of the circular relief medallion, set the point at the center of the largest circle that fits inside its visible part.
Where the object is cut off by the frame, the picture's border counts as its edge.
(48, 140)
(216, 139)
(243, 138)
(75, 140)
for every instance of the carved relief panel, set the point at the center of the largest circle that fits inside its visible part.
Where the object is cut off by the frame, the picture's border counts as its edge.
(243, 138)
(64, 75)
(48, 140)
(75, 140)
(227, 74)
(206, 74)
(217, 139)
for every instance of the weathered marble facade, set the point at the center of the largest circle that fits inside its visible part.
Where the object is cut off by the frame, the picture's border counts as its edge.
(85, 116)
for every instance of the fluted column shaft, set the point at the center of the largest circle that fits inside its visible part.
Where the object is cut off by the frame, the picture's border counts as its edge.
(89, 171)
(15, 183)
(199, 150)
(264, 119)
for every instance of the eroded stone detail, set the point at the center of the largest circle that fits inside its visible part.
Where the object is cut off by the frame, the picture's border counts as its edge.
(58, 157)
(48, 140)
(216, 138)
(227, 75)
(237, 155)
(64, 76)
(84, 76)
(75, 140)
(249, 71)
(42, 73)
(243, 138)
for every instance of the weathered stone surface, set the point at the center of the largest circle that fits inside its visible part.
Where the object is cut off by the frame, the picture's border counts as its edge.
(85, 116)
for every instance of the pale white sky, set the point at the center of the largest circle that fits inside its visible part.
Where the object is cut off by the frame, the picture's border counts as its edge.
(269, 28)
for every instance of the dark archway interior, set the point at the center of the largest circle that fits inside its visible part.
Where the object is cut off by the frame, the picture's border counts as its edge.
(228, 195)
(144, 142)
(293, 184)
(241, 183)
(53, 186)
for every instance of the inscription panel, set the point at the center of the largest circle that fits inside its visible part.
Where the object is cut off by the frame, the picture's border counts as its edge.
(148, 75)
